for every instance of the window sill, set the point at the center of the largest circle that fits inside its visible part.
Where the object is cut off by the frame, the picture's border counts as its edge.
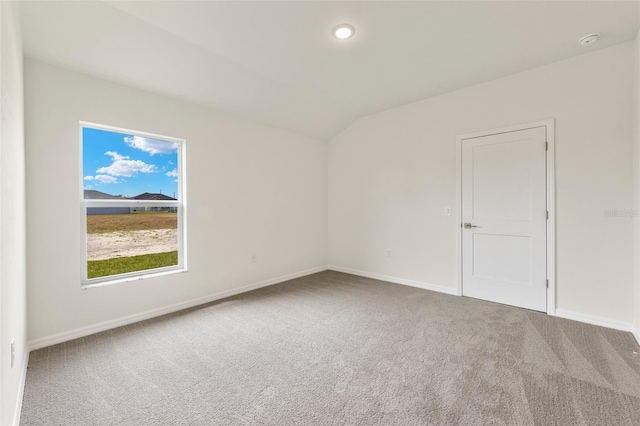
(92, 284)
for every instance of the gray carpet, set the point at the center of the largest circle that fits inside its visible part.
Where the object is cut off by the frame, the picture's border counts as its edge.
(333, 348)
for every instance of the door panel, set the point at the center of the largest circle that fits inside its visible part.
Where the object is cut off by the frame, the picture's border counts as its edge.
(504, 199)
(499, 179)
(490, 251)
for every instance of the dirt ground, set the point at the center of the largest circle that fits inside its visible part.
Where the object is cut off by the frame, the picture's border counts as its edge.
(130, 243)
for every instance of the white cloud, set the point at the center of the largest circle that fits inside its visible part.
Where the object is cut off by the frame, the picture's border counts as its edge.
(106, 179)
(115, 155)
(152, 146)
(88, 178)
(172, 173)
(123, 166)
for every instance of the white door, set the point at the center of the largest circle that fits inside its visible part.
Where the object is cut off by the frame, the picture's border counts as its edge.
(504, 218)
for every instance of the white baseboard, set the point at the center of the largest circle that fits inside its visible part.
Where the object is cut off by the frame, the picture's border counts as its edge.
(395, 280)
(107, 325)
(636, 334)
(602, 322)
(23, 380)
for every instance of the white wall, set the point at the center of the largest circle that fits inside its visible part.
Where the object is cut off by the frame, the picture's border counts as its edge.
(636, 192)
(251, 189)
(391, 174)
(13, 288)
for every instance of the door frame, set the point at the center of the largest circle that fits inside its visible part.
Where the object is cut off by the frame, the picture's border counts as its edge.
(549, 125)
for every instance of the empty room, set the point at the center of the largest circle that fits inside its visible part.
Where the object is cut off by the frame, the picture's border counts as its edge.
(320, 213)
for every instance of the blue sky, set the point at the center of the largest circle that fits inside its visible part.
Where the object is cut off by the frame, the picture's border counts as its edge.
(123, 164)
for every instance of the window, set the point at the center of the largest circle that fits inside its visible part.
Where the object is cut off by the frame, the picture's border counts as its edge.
(132, 204)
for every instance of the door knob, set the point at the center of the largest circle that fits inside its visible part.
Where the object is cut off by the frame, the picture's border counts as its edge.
(469, 226)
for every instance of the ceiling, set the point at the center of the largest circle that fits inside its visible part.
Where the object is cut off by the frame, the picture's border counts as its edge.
(277, 62)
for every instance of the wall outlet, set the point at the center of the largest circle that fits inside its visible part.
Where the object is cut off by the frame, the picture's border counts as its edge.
(254, 259)
(13, 351)
(447, 211)
(388, 252)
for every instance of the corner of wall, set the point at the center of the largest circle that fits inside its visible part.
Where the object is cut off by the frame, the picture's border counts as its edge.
(13, 322)
(636, 193)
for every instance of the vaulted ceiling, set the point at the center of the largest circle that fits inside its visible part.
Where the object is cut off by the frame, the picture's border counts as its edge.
(278, 63)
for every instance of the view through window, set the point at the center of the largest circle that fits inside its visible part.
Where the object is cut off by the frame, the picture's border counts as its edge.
(132, 203)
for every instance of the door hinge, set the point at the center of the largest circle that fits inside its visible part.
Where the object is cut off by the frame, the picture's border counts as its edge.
(547, 214)
(546, 146)
(547, 283)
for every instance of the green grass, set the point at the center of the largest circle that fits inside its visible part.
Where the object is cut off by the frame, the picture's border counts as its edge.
(105, 223)
(122, 265)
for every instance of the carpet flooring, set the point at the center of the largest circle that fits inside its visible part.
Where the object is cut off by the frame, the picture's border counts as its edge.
(334, 349)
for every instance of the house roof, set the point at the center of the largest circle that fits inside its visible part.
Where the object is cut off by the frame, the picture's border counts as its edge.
(90, 194)
(153, 196)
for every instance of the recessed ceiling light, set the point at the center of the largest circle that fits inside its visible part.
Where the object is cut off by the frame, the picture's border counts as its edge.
(589, 39)
(344, 31)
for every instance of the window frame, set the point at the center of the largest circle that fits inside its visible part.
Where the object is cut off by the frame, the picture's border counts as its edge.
(180, 204)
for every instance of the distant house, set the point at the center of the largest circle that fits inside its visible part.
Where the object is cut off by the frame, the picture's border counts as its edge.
(90, 194)
(153, 196)
(149, 196)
